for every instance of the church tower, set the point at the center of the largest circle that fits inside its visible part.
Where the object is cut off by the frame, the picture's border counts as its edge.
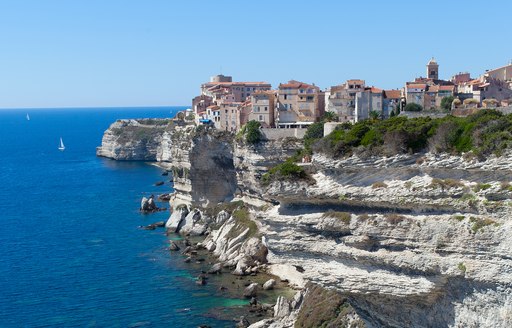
(433, 69)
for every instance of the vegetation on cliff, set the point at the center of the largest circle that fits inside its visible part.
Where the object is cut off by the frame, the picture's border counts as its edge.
(484, 133)
(285, 171)
(326, 308)
(250, 132)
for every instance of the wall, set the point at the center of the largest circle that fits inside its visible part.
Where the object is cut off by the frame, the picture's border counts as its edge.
(275, 134)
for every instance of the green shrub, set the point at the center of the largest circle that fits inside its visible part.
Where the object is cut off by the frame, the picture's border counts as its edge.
(478, 223)
(481, 186)
(287, 171)
(412, 107)
(461, 267)
(459, 217)
(251, 132)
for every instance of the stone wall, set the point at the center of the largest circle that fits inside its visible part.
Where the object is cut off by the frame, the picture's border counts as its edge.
(276, 134)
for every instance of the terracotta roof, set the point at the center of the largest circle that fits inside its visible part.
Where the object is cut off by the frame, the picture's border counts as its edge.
(446, 88)
(375, 90)
(433, 88)
(296, 85)
(354, 81)
(417, 86)
(392, 94)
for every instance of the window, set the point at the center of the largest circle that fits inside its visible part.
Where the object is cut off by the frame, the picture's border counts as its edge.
(310, 97)
(285, 96)
(261, 117)
(266, 108)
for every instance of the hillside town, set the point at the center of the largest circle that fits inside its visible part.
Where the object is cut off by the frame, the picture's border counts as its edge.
(229, 104)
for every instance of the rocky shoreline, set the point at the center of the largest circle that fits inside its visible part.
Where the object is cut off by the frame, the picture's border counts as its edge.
(409, 240)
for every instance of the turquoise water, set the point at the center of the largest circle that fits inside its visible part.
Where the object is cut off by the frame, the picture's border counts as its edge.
(71, 253)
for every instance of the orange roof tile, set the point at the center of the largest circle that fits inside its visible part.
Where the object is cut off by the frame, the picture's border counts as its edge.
(417, 86)
(292, 84)
(392, 94)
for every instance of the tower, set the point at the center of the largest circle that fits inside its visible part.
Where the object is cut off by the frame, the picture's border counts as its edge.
(433, 69)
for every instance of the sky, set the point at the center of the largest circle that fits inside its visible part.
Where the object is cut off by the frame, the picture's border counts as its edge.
(108, 53)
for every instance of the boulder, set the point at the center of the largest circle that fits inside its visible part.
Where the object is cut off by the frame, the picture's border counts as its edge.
(216, 268)
(243, 322)
(201, 280)
(269, 284)
(159, 183)
(173, 246)
(282, 307)
(147, 205)
(175, 219)
(250, 291)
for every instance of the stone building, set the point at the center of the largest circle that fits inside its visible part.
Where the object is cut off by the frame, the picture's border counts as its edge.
(298, 102)
(341, 99)
(391, 101)
(220, 85)
(262, 108)
(371, 99)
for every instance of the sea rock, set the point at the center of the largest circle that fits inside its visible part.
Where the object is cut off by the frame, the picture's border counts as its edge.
(187, 260)
(243, 322)
(282, 307)
(173, 246)
(159, 224)
(269, 284)
(201, 280)
(164, 197)
(147, 205)
(216, 268)
(159, 183)
(251, 290)
(174, 221)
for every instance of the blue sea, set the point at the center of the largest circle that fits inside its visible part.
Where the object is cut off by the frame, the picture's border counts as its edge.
(71, 252)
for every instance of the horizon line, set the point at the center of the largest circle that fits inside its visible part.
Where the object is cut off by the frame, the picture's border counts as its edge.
(90, 107)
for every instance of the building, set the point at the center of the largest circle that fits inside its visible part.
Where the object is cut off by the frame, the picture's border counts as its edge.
(341, 99)
(432, 69)
(262, 108)
(298, 103)
(371, 99)
(220, 85)
(428, 92)
(200, 104)
(391, 101)
(503, 74)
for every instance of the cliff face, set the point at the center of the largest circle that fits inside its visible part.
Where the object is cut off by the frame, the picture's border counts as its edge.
(201, 161)
(252, 161)
(405, 241)
(410, 241)
(133, 140)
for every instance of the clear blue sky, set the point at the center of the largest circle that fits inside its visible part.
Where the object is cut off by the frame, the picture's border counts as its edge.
(79, 53)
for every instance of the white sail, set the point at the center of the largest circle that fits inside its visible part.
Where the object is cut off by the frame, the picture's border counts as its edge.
(61, 146)
(28, 117)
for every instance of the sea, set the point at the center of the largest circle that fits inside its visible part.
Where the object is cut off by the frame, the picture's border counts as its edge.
(72, 253)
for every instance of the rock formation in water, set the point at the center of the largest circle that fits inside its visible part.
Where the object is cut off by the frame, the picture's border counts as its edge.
(133, 140)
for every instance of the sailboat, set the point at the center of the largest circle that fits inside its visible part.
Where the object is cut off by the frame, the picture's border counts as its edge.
(28, 117)
(61, 146)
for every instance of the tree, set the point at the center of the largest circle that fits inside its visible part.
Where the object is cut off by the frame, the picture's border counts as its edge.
(412, 107)
(330, 117)
(374, 115)
(252, 132)
(446, 102)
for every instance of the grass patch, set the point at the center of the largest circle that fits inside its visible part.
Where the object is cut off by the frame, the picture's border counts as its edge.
(461, 267)
(243, 219)
(478, 223)
(458, 217)
(481, 186)
(345, 217)
(446, 183)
